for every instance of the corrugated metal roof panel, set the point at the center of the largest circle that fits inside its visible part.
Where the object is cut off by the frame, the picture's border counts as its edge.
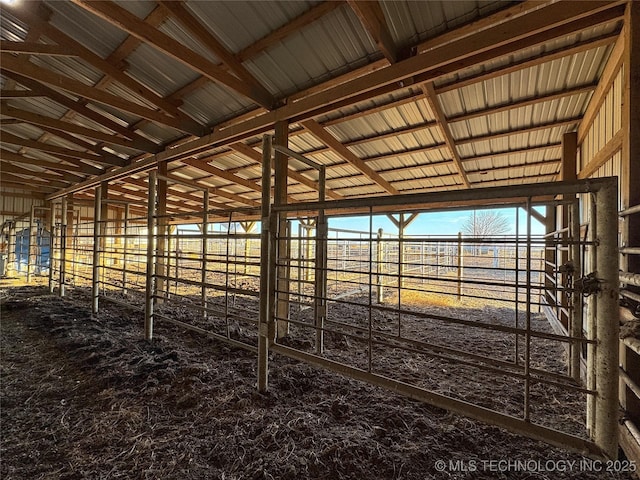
(177, 31)
(296, 63)
(411, 22)
(11, 28)
(140, 8)
(239, 24)
(159, 72)
(213, 103)
(91, 31)
(71, 67)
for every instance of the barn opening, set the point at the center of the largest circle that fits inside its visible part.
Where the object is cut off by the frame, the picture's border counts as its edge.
(295, 228)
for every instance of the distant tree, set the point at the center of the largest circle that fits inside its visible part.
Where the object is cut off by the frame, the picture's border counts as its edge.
(485, 224)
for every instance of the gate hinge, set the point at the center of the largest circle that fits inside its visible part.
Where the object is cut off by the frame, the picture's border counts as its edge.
(588, 284)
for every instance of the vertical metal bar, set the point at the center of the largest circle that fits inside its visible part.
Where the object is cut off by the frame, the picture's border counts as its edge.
(459, 265)
(607, 320)
(126, 248)
(11, 257)
(226, 277)
(32, 243)
(97, 238)
(150, 278)
(63, 246)
(517, 290)
(527, 345)
(264, 333)
(205, 254)
(379, 268)
(370, 309)
(300, 258)
(52, 226)
(575, 313)
(591, 320)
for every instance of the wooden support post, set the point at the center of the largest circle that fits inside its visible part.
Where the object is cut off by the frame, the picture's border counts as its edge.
(32, 246)
(63, 246)
(104, 233)
(205, 253)
(266, 328)
(162, 224)
(568, 171)
(630, 196)
(150, 280)
(322, 233)
(280, 164)
(125, 264)
(97, 240)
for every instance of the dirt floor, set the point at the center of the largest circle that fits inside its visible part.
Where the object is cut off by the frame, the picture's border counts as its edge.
(85, 397)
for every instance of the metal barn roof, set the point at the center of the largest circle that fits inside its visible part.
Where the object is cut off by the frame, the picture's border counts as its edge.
(392, 97)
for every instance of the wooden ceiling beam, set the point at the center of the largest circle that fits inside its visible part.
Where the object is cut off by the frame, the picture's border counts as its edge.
(372, 19)
(338, 148)
(432, 99)
(294, 26)
(21, 185)
(46, 147)
(535, 100)
(214, 44)
(43, 120)
(19, 94)
(75, 87)
(82, 168)
(248, 152)
(176, 193)
(18, 174)
(80, 107)
(546, 57)
(128, 22)
(102, 156)
(34, 17)
(34, 48)
(492, 136)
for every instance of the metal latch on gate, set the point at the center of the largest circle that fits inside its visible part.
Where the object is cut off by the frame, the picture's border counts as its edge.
(588, 284)
(568, 269)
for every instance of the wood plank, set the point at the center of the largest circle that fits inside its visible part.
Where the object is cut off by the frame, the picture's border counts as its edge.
(79, 106)
(432, 99)
(33, 48)
(605, 153)
(214, 44)
(254, 155)
(372, 18)
(604, 85)
(111, 68)
(38, 119)
(80, 89)
(127, 21)
(82, 168)
(46, 147)
(332, 142)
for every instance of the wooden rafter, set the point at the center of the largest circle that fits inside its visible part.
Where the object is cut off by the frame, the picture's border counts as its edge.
(80, 107)
(125, 20)
(214, 44)
(46, 147)
(519, 131)
(372, 18)
(33, 48)
(43, 120)
(75, 87)
(65, 167)
(246, 151)
(332, 142)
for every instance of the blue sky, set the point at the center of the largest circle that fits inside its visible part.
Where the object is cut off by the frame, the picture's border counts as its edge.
(447, 223)
(435, 223)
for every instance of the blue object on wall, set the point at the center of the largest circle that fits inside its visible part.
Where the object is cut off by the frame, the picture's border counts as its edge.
(23, 237)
